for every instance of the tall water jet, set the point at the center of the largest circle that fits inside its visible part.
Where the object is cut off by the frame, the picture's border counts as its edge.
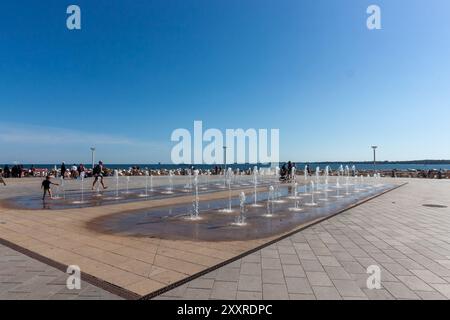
(127, 179)
(341, 170)
(338, 188)
(228, 177)
(312, 203)
(317, 180)
(58, 191)
(195, 204)
(277, 193)
(305, 173)
(145, 194)
(255, 187)
(240, 220)
(327, 175)
(63, 187)
(270, 202)
(170, 187)
(189, 182)
(204, 175)
(296, 206)
(81, 201)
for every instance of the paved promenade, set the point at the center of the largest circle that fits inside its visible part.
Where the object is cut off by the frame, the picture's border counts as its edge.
(408, 241)
(22, 277)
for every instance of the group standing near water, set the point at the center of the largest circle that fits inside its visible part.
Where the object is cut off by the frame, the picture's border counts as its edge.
(98, 173)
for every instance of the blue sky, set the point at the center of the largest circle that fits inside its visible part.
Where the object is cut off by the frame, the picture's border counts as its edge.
(140, 69)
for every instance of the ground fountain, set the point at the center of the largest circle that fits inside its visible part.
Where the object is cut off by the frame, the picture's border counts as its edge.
(116, 178)
(169, 189)
(63, 188)
(145, 194)
(127, 179)
(57, 195)
(240, 220)
(270, 202)
(81, 201)
(338, 188)
(296, 198)
(317, 184)
(195, 203)
(255, 187)
(312, 203)
(228, 178)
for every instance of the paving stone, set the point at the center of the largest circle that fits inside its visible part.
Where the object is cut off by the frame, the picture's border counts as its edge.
(326, 293)
(273, 276)
(224, 290)
(201, 283)
(270, 263)
(275, 292)
(291, 270)
(328, 261)
(297, 296)
(248, 295)
(318, 278)
(399, 290)
(444, 289)
(428, 276)
(250, 268)
(427, 295)
(249, 283)
(298, 285)
(337, 273)
(415, 283)
(348, 288)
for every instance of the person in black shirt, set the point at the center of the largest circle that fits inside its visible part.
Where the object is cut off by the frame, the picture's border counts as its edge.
(46, 186)
(98, 173)
(63, 170)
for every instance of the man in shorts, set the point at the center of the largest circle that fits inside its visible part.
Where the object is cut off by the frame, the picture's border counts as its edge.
(98, 173)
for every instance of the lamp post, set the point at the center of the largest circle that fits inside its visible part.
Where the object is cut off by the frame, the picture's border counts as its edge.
(93, 157)
(374, 157)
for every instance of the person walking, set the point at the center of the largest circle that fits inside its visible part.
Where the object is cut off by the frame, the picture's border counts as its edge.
(98, 174)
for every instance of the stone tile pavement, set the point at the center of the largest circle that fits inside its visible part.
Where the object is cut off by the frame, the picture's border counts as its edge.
(409, 242)
(22, 277)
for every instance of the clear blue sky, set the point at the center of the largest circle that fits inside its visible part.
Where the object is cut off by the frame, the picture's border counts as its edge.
(140, 69)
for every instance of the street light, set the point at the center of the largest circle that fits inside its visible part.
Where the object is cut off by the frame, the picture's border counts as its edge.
(374, 157)
(93, 157)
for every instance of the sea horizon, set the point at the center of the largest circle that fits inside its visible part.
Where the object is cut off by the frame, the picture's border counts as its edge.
(360, 165)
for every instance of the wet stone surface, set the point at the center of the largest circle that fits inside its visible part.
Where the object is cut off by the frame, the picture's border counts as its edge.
(217, 223)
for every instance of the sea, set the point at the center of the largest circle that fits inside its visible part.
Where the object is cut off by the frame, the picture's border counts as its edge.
(383, 166)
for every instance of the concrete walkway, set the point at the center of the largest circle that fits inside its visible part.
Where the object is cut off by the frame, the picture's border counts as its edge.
(408, 241)
(22, 277)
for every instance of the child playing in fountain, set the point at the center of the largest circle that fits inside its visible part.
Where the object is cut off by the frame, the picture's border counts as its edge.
(98, 173)
(46, 186)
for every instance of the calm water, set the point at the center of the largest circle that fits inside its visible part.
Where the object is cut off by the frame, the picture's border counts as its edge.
(300, 166)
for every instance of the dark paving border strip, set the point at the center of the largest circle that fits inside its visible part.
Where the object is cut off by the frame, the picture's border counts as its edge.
(240, 256)
(107, 286)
